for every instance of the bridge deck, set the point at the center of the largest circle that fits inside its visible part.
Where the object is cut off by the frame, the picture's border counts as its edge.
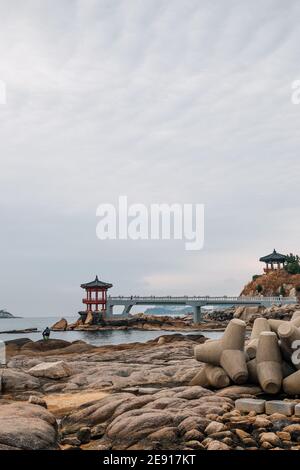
(196, 302)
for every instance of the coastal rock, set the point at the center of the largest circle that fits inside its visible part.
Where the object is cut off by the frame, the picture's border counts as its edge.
(271, 438)
(34, 400)
(138, 424)
(61, 325)
(42, 346)
(13, 381)
(27, 427)
(51, 370)
(89, 319)
(216, 445)
(214, 427)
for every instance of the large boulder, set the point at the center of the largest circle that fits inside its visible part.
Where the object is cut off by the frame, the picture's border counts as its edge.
(89, 319)
(61, 325)
(51, 370)
(27, 427)
(44, 346)
(17, 381)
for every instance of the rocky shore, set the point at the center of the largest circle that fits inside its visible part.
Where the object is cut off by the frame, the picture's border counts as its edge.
(60, 395)
(142, 322)
(216, 320)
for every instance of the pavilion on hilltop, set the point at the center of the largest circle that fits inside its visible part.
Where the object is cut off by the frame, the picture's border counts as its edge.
(273, 261)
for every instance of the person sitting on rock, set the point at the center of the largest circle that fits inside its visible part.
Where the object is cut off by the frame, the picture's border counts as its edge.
(46, 334)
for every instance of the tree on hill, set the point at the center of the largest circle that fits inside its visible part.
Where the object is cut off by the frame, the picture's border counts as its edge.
(292, 264)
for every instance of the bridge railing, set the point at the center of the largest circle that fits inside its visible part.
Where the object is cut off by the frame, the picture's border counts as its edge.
(186, 298)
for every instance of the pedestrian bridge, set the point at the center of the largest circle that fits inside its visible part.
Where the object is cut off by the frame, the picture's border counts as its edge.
(195, 302)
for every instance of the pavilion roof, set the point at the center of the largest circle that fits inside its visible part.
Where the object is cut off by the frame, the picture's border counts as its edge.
(96, 283)
(273, 257)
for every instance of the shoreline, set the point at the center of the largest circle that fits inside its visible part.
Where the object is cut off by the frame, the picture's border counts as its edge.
(131, 396)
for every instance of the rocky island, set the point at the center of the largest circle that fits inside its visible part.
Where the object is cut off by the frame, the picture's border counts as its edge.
(5, 314)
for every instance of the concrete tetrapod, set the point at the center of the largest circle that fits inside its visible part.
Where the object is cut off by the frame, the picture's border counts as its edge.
(291, 384)
(269, 362)
(296, 318)
(289, 339)
(233, 359)
(211, 376)
(209, 352)
(227, 352)
(287, 369)
(259, 325)
(275, 324)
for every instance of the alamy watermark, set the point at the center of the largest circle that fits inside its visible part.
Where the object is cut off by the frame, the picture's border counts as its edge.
(295, 97)
(2, 353)
(155, 222)
(296, 354)
(2, 92)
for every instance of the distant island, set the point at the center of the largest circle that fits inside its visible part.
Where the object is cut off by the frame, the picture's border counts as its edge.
(162, 310)
(5, 314)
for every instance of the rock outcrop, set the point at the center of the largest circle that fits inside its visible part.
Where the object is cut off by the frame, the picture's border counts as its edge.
(51, 370)
(274, 283)
(61, 325)
(27, 427)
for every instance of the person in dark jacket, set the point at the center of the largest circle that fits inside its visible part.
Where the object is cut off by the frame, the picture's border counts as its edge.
(46, 333)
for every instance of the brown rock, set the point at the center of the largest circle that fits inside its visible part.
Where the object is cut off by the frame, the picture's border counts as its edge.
(271, 438)
(284, 436)
(51, 370)
(261, 422)
(194, 445)
(193, 435)
(61, 325)
(34, 400)
(242, 434)
(214, 427)
(216, 445)
(166, 434)
(27, 427)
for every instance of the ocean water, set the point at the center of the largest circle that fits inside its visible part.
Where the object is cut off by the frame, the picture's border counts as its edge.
(96, 338)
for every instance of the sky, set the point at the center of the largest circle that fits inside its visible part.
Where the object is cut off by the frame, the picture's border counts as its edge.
(163, 101)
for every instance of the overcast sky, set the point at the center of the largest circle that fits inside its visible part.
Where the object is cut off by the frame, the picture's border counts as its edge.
(159, 100)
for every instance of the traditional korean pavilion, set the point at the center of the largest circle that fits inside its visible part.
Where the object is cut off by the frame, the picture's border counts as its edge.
(273, 261)
(96, 297)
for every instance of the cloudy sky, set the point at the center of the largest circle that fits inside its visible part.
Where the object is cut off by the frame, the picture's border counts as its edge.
(160, 100)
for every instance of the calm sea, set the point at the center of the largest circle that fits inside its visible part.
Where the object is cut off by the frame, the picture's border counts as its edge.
(96, 338)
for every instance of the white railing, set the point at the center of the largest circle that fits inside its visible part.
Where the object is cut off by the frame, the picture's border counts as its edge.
(201, 298)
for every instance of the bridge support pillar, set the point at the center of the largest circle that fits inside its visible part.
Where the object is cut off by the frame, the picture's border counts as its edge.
(126, 310)
(197, 314)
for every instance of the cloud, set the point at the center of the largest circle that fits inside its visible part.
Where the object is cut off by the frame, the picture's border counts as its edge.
(164, 102)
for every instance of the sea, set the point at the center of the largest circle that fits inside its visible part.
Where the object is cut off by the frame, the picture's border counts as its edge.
(96, 338)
